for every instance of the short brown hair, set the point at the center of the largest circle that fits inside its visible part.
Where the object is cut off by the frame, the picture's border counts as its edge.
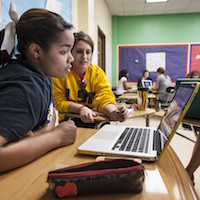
(161, 70)
(84, 37)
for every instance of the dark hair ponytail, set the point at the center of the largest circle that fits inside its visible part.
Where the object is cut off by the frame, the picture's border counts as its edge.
(123, 72)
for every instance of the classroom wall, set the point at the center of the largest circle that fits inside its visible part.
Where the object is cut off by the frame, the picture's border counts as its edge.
(103, 20)
(154, 29)
(24, 5)
(87, 15)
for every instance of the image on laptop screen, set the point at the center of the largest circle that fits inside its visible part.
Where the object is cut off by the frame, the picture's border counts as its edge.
(175, 109)
(146, 83)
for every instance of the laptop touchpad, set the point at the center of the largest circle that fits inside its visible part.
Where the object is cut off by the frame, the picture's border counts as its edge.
(106, 135)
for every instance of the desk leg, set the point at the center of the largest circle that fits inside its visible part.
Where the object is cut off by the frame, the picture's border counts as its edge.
(147, 120)
(195, 129)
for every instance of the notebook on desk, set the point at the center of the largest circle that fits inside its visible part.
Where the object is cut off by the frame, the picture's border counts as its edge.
(194, 110)
(143, 142)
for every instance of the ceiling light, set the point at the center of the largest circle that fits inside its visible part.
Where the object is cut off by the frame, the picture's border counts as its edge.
(156, 1)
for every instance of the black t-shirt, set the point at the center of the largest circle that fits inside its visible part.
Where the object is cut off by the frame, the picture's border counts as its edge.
(26, 101)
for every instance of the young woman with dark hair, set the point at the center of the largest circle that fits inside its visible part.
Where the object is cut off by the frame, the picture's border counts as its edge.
(122, 83)
(27, 125)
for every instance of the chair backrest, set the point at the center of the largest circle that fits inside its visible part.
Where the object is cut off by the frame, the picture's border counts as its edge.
(171, 91)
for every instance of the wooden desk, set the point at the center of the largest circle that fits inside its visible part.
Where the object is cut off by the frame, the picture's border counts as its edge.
(140, 113)
(135, 113)
(160, 113)
(133, 90)
(164, 179)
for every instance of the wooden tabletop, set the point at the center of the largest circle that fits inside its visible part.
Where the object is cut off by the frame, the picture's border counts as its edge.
(139, 113)
(160, 113)
(164, 179)
(102, 117)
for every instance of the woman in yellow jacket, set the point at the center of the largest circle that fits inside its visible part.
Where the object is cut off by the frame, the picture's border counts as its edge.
(85, 87)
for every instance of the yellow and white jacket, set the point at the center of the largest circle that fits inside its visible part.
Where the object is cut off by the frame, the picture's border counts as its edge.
(98, 90)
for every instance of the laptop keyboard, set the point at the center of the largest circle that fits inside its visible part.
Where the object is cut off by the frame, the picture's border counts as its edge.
(134, 140)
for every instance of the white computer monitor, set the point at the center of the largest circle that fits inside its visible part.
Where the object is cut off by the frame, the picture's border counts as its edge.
(146, 83)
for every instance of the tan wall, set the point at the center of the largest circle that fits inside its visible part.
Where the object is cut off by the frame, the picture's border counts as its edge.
(87, 15)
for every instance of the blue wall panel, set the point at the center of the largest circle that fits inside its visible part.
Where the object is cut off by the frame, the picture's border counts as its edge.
(176, 60)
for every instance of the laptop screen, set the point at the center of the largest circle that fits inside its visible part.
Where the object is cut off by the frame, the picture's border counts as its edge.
(194, 110)
(146, 83)
(173, 116)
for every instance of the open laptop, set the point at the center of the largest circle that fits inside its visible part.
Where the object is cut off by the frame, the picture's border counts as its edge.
(143, 142)
(146, 83)
(194, 110)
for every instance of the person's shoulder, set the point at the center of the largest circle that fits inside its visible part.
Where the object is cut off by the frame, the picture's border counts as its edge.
(123, 78)
(22, 67)
(162, 76)
(159, 78)
(22, 72)
(168, 77)
(13, 64)
(12, 69)
(149, 78)
(95, 69)
(93, 66)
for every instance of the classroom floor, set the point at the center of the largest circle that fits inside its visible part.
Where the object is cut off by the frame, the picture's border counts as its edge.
(182, 146)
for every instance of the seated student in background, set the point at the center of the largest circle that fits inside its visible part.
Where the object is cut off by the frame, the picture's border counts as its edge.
(194, 74)
(85, 88)
(145, 76)
(122, 83)
(27, 118)
(162, 82)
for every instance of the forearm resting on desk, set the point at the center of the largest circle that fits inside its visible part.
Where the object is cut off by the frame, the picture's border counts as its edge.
(86, 114)
(17, 154)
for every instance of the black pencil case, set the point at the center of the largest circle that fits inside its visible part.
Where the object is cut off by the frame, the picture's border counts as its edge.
(108, 176)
